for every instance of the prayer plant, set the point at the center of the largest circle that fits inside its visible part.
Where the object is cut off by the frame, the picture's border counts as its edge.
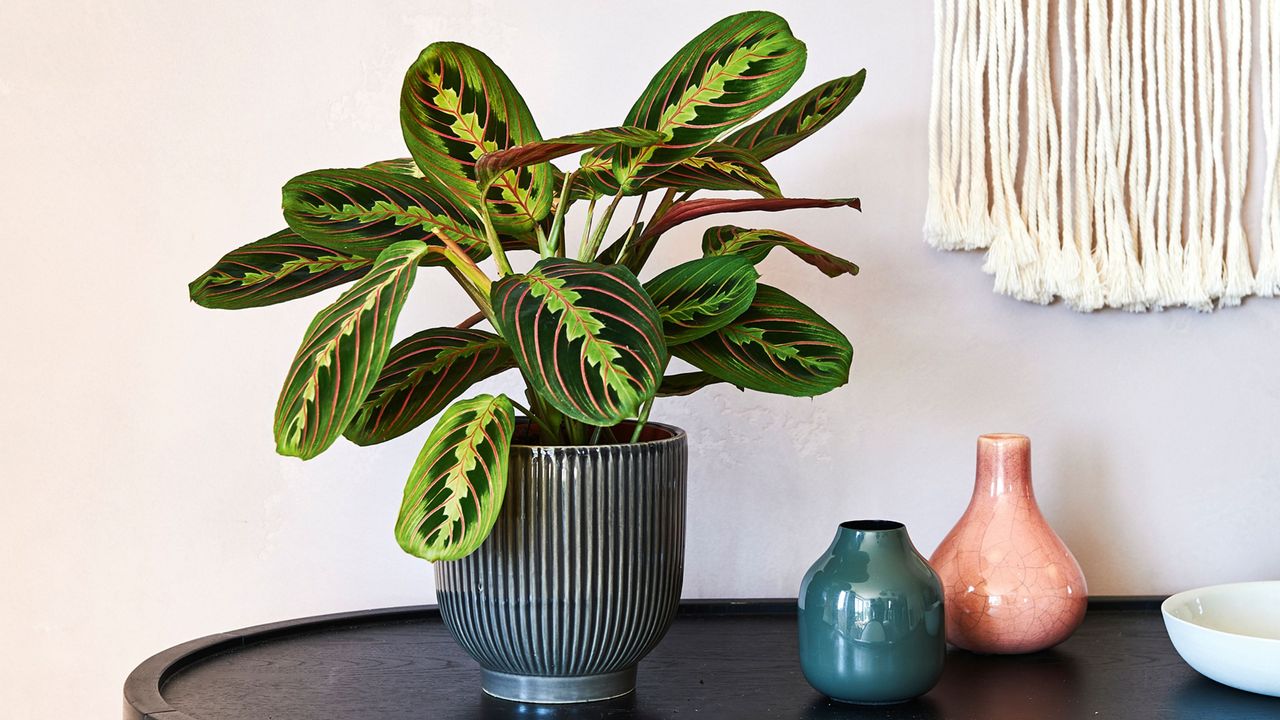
(591, 341)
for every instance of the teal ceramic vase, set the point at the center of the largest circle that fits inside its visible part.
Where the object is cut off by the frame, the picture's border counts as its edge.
(871, 618)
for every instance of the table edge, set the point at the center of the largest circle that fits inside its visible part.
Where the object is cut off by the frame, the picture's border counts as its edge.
(143, 699)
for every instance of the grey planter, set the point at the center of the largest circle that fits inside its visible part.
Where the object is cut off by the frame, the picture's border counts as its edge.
(581, 576)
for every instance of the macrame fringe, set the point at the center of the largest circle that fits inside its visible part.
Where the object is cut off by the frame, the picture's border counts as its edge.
(1114, 174)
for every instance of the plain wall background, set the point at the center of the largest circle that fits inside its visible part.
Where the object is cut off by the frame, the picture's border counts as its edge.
(143, 504)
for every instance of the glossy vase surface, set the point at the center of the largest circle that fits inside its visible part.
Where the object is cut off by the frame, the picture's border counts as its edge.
(1012, 585)
(871, 617)
(581, 575)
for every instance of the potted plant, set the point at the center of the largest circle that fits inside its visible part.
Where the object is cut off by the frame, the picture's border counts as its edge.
(557, 536)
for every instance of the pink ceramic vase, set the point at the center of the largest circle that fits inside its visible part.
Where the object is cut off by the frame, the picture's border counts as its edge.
(1011, 585)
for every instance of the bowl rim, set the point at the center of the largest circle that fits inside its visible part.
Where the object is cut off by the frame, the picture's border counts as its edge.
(1182, 596)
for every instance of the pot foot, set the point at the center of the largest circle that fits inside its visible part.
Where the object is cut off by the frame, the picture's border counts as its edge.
(558, 690)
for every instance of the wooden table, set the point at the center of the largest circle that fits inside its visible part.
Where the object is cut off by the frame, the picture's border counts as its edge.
(722, 659)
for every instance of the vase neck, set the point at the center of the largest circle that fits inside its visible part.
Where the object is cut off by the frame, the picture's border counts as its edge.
(1004, 466)
(868, 535)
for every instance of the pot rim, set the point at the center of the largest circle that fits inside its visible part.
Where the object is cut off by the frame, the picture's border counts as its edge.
(677, 435)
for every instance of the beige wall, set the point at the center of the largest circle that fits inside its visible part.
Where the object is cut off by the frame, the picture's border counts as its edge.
(143, 504)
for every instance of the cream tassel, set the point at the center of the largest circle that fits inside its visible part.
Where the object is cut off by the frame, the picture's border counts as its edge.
(1268, 280)
(1123, 183)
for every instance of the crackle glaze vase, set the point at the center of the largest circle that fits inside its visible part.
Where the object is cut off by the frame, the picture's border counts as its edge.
(871, 617)
(1011, 584)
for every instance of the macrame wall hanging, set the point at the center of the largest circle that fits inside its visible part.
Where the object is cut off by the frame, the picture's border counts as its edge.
(1099, 149)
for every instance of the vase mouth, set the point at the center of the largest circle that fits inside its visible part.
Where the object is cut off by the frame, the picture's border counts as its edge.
(872, 525)
(654, 433)
(1003, 437)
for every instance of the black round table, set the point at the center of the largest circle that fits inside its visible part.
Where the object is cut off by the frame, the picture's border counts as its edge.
(721, 659)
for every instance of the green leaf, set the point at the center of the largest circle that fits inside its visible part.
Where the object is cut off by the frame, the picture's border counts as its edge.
(779, 345)
(702, 296)
(272, 270)
(396, 166)
(362, 212)
(492, 165)
(455, 490)
(799, 118)
(342, 354)
(455, 106)
(718, 167)
(586, 336)
(422, 375)
(724, 76)
(686, 383)
(755, 245)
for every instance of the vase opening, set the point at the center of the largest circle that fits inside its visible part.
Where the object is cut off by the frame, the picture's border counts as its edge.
(871, 525)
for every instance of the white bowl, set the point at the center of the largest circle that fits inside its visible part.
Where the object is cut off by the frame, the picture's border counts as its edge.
(1229, 633)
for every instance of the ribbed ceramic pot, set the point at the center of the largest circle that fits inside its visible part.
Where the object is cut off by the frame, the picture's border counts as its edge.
(1012, 585)
(581, 575)
(871, 620)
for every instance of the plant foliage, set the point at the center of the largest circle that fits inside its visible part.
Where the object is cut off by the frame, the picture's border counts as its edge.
(592, 342)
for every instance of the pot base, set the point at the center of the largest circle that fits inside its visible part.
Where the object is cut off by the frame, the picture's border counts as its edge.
(558, 690)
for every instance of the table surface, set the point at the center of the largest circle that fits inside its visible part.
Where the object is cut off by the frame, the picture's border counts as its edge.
(721, 659)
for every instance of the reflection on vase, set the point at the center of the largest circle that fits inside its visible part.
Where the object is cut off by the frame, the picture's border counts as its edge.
(870, 617)
(1011, 584)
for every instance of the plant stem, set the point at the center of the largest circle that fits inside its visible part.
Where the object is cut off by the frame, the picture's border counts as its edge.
(534, 417)
(495, 246)
(471, 321)
(668, 199)
(557, 224)
(588, 251)
(635, 222)
(544, 245)
(595, 435)
(644, 418)
(586, 228)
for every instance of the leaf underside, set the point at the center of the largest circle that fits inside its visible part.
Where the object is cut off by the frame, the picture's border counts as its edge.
(455, 490)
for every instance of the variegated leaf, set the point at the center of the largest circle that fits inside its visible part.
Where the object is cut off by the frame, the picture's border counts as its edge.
(702, 296)
(422, 375)
(455, 106)
(755, 245)
(361, 212)
(397, 166)
(686, 383)
(492, 165)
(779, 345)
(724, 76)
(586, 336)
(342, 354)
(455, 490)
(718, 167)
(272, 270)
(799, 119)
